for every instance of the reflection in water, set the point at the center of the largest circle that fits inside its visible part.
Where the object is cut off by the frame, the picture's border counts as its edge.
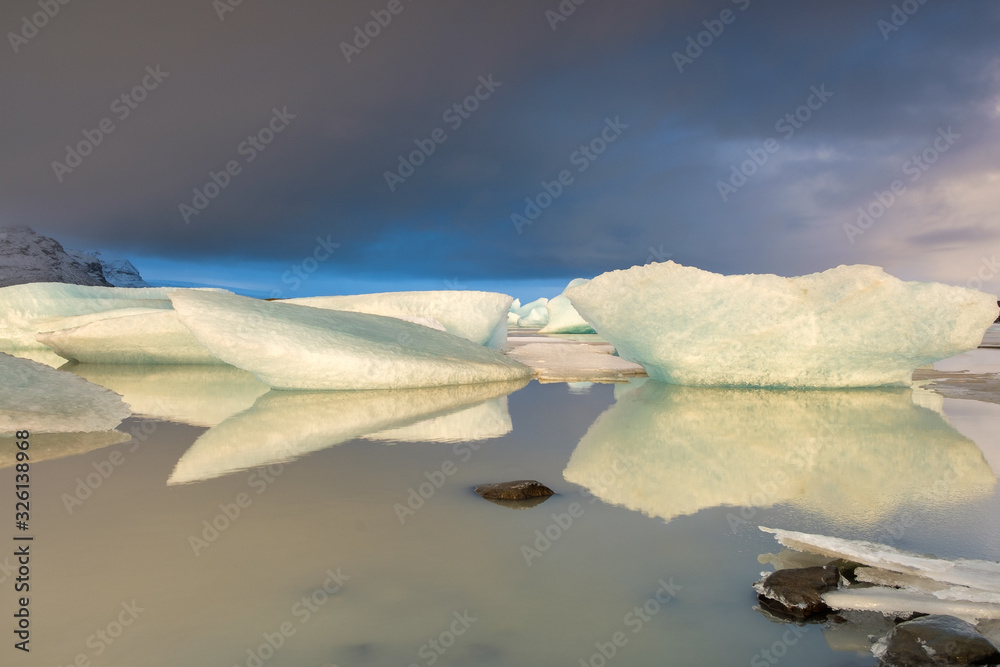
(47, 446)
(854, 455)
(282, 425)
(195, 395)
(490, 419)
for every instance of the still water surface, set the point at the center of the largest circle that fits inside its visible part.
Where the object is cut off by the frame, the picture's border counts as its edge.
(358, 540)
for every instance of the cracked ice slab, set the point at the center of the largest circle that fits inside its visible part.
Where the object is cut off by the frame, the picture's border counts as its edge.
(38, 398)
(977, 574)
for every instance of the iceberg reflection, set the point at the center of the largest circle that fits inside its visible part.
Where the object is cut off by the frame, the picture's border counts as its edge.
(856, 455)
(283, 425)
(195, 395)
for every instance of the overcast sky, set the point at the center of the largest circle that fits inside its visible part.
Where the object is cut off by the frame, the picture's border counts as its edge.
(668, 99)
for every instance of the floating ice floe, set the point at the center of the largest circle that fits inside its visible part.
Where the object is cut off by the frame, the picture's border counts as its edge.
(282, 426)
(855, 456)
(29, 309)
(845, 327)
(153, 336)
(977, 574)
(905, 582)
(480, 317)
(196, 395)
(37, 398)
(562, 316)
(289, 346)
(567, 361)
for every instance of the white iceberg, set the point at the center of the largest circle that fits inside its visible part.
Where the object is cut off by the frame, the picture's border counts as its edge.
(846, 327)
(128, 336)
(853, 456)
(290, 346)
(476, 316)
(531, 315)
(562, 316)
(26, 310)
(282, 426)
(196, 395)
(37, 398)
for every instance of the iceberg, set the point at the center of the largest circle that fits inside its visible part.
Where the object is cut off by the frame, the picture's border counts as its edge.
(26, 310)
(531, 315)
(195, 395)
(40, 399)
(289, 346)
(562, 316)
(152, 336)
(853, 456)
(283, 426)
(851, 326)
(476, 316)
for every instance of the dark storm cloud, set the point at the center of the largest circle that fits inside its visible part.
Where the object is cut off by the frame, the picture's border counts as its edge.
(653, 191)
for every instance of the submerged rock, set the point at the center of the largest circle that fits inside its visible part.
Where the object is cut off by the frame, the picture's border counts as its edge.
(935, 640)
(524, 489)
(798, 592)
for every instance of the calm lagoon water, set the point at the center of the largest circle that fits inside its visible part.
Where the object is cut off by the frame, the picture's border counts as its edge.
(338, 558)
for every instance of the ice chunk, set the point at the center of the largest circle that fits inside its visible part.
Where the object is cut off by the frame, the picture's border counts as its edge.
(196, 395)
(490, 419)
(854, 456)
(523, 310)
(40, 399)
(919, 584)
(290, 346)
(28, 309)
(562, 316)
(979, 574)
(846, 327)
(475, 316)
(282, 426)
(903, 602)
(150, 337)
(565, 362)
(531, 315)
(535, 318)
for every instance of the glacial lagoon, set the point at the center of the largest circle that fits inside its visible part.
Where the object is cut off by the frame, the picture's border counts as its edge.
(245, 527)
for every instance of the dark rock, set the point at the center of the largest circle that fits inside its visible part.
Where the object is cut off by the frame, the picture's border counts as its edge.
(798, 592)
(519, 490)
(935, 640)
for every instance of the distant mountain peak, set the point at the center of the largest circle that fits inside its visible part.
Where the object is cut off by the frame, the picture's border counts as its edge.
(29, 257)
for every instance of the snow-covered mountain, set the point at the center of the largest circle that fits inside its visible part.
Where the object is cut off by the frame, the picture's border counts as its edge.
(29, 257)
(118, 272)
